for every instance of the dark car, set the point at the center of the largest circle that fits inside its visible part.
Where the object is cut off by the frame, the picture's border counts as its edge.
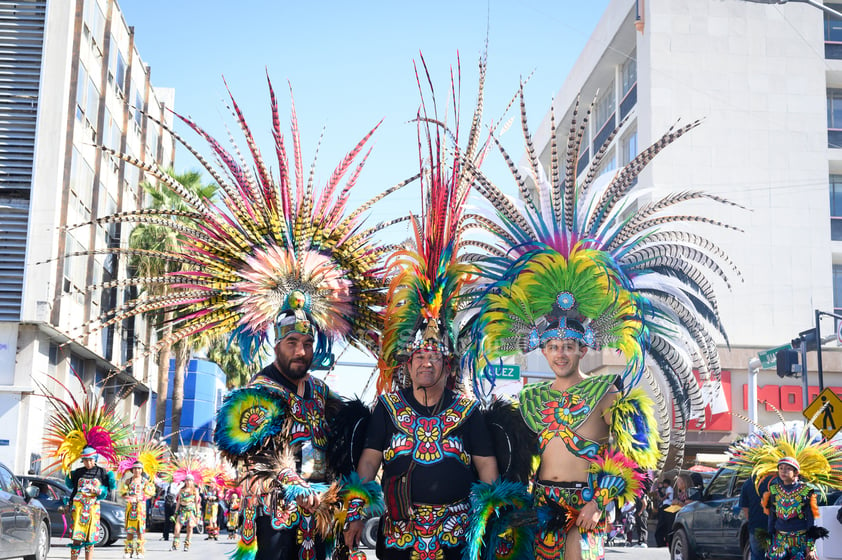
(54, 494)
(24, 523)
(711, 526)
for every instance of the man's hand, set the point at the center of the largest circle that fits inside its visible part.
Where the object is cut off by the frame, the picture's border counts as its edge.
(353, 534)
(589, 517)
(812, 554)
(308, 503)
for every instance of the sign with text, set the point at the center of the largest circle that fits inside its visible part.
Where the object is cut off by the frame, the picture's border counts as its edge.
(504, 371)
(767, 357)
(825, 412)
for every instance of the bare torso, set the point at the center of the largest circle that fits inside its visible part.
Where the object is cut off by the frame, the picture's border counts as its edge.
(559, 464)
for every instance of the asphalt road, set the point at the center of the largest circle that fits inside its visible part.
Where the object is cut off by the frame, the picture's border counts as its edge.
(156, 549)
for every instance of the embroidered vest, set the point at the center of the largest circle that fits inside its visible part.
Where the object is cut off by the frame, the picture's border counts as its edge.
(556, 414)
(427, 439)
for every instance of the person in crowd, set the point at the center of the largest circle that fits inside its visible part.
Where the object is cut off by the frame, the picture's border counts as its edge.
(752, 512)
(89, 484)
(791, 507)
(136, 489)
(187, 508)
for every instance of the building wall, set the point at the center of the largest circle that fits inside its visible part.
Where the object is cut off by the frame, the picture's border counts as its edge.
(756, 76)
(92, 89)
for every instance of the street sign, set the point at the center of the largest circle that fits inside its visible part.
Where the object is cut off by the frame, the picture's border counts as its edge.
(829, 420)
(767, 357)
(506, 372)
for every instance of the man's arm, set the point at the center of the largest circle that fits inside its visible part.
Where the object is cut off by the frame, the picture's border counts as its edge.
(486, 468)
(367, 468)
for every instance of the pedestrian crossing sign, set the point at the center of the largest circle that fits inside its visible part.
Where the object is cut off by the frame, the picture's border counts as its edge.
(828, 420)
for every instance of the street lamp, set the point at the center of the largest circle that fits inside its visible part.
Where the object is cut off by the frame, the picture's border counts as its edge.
(813, 3)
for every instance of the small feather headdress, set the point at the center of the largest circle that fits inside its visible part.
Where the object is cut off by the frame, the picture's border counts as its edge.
(273, 243)
(758, 455)
(578, 249)
(78, 423)
(152, 453)
(429, 275)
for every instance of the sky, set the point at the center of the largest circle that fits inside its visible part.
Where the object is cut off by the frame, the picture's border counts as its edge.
(350, 64)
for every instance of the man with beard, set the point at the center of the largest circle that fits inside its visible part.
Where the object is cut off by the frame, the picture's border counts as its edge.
(285, 474)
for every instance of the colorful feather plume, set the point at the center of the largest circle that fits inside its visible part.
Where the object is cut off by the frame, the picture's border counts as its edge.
(429, 277)
(635, 428)
(74, 424)
(269, 239)
(758, 454)
(151, 452)
(594, 250)
(493, 529)
(246, 419)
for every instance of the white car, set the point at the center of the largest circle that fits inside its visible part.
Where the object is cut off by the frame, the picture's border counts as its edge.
(831, 547)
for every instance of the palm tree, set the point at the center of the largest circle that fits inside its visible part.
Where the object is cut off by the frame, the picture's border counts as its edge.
(159, 238)
(227, 356)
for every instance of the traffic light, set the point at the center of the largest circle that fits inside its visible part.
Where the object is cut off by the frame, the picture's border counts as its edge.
(786, 359)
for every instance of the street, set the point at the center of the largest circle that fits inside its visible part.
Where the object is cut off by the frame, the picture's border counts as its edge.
(156, 549)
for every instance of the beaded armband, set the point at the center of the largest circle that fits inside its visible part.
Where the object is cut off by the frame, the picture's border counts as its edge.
(357, 497)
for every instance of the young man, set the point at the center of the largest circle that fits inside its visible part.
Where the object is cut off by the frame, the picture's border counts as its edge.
(572, 416)
(792, 510)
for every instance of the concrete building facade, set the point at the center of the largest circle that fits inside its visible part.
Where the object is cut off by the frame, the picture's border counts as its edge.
(71, 79)
(766, 82)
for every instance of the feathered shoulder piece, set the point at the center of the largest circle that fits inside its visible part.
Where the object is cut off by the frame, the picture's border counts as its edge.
(152, 453)
(270, 241)
(819, 463)
(429, 275)
(589, 258)
(78, 424)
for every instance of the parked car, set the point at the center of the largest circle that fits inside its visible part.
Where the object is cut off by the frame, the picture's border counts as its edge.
(711, 526)
(55, 495)
(24, 522)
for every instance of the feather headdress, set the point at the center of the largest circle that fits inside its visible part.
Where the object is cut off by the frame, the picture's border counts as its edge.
(271, 243)
(78, 423)
(152, 453)
(582, 249)
(758, 454)
(429, 275)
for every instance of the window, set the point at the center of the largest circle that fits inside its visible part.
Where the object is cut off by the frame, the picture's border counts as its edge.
(117, 69)
(81, 184)
(94, 24)
(87, 100)
(628, 147)
(629, 76)
(834, 118)
(833, 33)
(138, 107)
(718, 487)
(837, 287)
(604, 117)
(835, 182)
(608, 163)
